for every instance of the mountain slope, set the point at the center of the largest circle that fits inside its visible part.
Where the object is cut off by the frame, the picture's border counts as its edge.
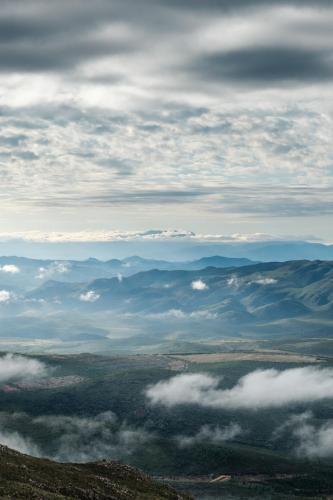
(267, 291)
(275, 298)
(22, 273)
(24, 477)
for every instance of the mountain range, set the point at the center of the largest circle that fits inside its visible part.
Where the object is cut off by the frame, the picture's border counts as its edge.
(259, 292)
(143, 309)
(24, 273)
(181, 249)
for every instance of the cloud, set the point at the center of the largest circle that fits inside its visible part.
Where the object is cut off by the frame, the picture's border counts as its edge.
(152, 235)
(17, 442)
(257, 390)
(28, 58)
(53, 269)
(233, 281)
(223, 5)
(100, 110)
(307, 437)
(30, 42)
(14, 367)
(9, 268)
(92, 438)
(210, 435)
(72, 438)
(264, 65)
(100, 236)
(199, 285)
(264, 281)
(6, 296)
(89, 296)
(266, 167)
(179, 314)
(314, 441)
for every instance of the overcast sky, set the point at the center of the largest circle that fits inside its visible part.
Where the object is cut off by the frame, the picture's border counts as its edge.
(214, 116)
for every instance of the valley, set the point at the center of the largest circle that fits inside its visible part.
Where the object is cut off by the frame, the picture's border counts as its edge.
(214, 380)
(105, 413)
(166, 311)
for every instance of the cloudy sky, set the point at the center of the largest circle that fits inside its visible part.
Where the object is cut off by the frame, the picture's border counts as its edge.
(213, 116)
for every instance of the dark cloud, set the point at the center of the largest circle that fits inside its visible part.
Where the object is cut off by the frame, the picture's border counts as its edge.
(221, 128)
(275, 201)
(37, 21)
(144, 197)
(13, 140)
(232, 5)
(26, 155)
(60, 55)
(252, 201)
(122, 167)
(266, 65)
(39, 36)
(17, 29)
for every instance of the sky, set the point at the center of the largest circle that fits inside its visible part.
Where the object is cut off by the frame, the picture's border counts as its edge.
(210, 116)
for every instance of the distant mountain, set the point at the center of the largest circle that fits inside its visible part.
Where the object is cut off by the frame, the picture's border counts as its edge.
(22, 477)
(24, 273)
(268, 251)
(252, 294)
(274, 298)
(179, 249)
(217, 261)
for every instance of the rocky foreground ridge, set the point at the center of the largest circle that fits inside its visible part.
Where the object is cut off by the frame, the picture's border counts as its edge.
(26, 477)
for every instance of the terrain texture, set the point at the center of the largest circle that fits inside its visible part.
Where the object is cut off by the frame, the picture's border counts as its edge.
(25, 477)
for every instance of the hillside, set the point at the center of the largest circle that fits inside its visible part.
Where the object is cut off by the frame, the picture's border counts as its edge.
(260, 292)
(24, 477)
(145, 310)
(20, 273)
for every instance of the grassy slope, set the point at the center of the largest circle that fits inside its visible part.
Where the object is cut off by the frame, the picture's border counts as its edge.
(24, 477)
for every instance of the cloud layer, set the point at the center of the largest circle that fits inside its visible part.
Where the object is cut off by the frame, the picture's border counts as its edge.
(199, 285)
(14, 367)
(9, 269)
(6, 296)
(150, 235)
(211, 435)
(89, 296)
(115, 109)
(75, 439)
(257, 390)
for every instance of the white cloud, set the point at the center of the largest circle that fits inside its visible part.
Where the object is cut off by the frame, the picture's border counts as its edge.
(102, 236)
(264, 281)
(258, 389)
(53, 269)
(233, 281)
(199, 285)
(179, 314)
(17, 442)
(84, 439)
(211, 435)
(10, 268)
(315, 442)
(163, 235)
(6, 296)
(312, 440)
(75, 439)
(89, 296)
(14, 367)
(193, 146)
